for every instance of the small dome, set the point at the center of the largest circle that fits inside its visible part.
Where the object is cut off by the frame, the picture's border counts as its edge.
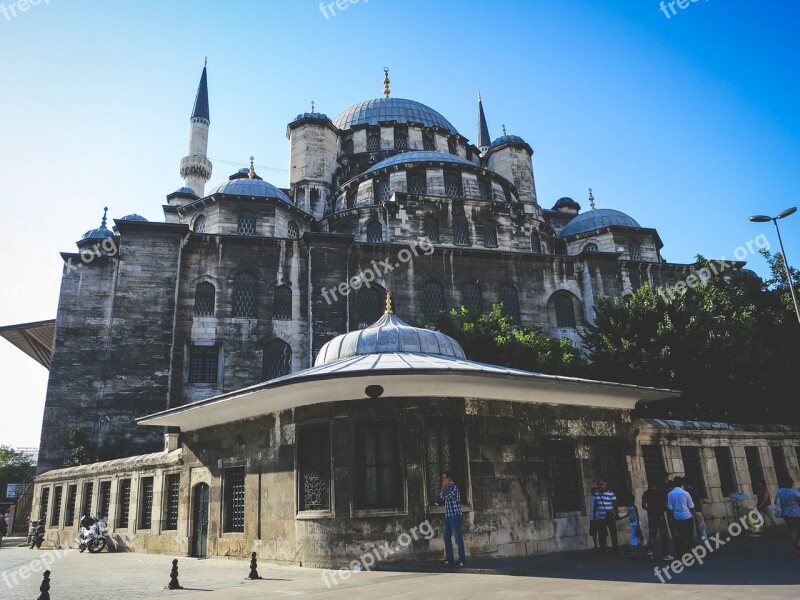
(398, 110)
(507, 139)
(99, 233)
(566, 202)
(314, 115)
(420, 156)
(256, 188)
(597, 219)
(135, 217)
(185, 190)
(388, 334)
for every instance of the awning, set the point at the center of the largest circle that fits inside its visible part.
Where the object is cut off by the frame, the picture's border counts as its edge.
(34, 339)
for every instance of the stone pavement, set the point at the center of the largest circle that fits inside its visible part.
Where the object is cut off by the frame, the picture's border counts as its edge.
(744, 569)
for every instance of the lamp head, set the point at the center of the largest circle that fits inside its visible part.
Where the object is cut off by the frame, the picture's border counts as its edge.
(760, 219)
(787, 212)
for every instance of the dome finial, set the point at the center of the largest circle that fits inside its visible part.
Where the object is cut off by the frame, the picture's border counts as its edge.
(252, 172)
(205, 63)
(389, 310)
(386, 90)
(504, 129)
(591, 199)
(312, 106)
(103, 222)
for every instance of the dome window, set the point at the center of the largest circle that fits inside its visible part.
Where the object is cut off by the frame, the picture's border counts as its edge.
(350, 197)
(428, 142)
(461, 231)
(200, 224)
(510, 299)
(417, 184)
(432, 299)
(490, 234)
(373, 142)
(400, 140)
(452, 186)
(565, 313)
(277, 360)
(204, 299)
(347, 147)
(536, 243)
(483, 190)
(430, 229)
(293, 230)
(471, 297)
(247, 223)
(383, 191)
(452, 148)
(590, 247)
(374, 232)
(634, 250)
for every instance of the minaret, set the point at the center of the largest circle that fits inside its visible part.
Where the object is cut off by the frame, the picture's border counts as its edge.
(484, 141)
(196, 168)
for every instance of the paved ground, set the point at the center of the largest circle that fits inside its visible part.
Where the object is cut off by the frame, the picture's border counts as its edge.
(744, 569)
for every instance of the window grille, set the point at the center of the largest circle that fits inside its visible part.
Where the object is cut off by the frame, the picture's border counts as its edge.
(86, 507)
(373, 143)
(44, 500)
(172, 489)
(293, 230)
(282, 303)
(654, 468)
(417, 185)
(536, 243)
(431, 229)
(384, 193)
(374, 232)
(105, 499)
(432, 299)
(204, 299)
(693, 468)
(727, 477)
(590, 247)
(146, 504)
(460, 231)
(565, 481)
(451, 146)
(370, 306)
(428, 142)
(400, 140)
(245, 295)
(452, 186)
(483, 191)
(314, 468)
(634, 250)
(200, 224)
(347, 147)
(379, 481)
(203, 364)
(510, 300)
(445, 450)
(58, 493)
(471, 297)
(233, 493)
(613, 468)
(490, 235)
(277, 360)
(72, 498)
(565, 312)
(247, 223)
(124, 504)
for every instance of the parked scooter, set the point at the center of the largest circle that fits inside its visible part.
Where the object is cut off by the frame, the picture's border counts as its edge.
(94, 535)
(36, 534)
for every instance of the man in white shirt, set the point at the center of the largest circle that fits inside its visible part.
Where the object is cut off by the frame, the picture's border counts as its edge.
(682, 515)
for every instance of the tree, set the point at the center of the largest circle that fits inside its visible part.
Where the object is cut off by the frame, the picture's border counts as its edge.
(15, 466)
(78, 447)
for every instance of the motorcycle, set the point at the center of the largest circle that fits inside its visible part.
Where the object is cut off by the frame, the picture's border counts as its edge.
(36, 534)
(94, 537)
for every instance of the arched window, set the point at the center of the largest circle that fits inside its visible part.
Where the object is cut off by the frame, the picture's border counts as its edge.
(370, 306)
(430, 228)
(427, 141)
(490, 234)
(373, 142)
(536, 243)
(452, 186)
(634, 250)
(282, 303)
(200, 224)
(293, 230)
(247, 223)
(590, 247)
(432, 299)
(347, 146)
(417, 184)
(374, 232)
(510, 300)
(382, 194)
(471, 297)
(483, 190)
(204, 299)
(245, 295)
(277, 360)
(451, 146)
(460, 231)
(565, 312)
(400, 140)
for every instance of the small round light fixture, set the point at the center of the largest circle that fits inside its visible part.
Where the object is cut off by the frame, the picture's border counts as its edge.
(374, 391)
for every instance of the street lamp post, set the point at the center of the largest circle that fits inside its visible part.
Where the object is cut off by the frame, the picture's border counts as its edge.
(764, 219)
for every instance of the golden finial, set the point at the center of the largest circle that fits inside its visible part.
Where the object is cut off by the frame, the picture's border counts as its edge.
(312, 106)
(252, 172)
(591, 199)
(386, 90)
(504, 129)
(389, 310)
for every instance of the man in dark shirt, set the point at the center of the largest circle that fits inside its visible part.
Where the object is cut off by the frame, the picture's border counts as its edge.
(453, 517)
(654, 501)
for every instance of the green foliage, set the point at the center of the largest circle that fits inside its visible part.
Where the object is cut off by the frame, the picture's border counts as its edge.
(492, 338)
(15, 466)
(78, 447)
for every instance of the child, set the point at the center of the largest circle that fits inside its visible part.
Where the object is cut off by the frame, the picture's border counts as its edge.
(636, 528)
(592, 522)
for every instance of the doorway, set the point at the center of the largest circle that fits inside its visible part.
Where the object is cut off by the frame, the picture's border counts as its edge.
(200, 521)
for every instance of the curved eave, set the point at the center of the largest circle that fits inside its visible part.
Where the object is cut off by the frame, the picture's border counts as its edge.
(525, 145)
(583, 234)
(202, 203)
(403, 376)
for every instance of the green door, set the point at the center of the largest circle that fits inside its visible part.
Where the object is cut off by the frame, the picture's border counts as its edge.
(200, 531)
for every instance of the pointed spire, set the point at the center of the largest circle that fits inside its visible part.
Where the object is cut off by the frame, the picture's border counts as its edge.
(483, 142)
(386, 90)
(103, 222)
(591, 199)
(312, 107)
(201, 100)
(389, 310)
(251, 173)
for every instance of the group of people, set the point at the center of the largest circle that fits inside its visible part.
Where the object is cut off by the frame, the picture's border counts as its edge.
(675, 510)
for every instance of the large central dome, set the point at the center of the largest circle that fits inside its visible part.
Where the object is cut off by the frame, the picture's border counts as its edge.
(398, 110)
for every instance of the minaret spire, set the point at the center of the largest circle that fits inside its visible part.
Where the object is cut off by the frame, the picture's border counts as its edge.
(483, 142)
(195, 167)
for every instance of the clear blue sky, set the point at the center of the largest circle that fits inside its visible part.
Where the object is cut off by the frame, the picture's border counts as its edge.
(689, 124)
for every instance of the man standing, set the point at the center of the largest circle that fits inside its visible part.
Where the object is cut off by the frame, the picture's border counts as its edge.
(605, 515)
(654, 501)
(697, 498)
(764, 505)
(681, 508)
(453, 518)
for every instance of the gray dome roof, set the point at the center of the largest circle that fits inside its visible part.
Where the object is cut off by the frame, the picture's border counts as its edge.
(134, 217)
(597, 219)
(419, 156)
(398, 110)
(314, 115)
(388, 334)
(99, 233)
(256, 188)
(566, 201)
(508, 139)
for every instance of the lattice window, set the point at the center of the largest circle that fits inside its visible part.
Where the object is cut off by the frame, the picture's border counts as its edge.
(693, 468)
(428, 142)
(400, 140)
(247, 223)
(445, 450)
(58, 494)
(277, 360)
(565, 312)
(634, 250)
(754, 465)
(452, 186)
(510, 299)
(370, 306)
(200, 224)
(471, 297)
(373, 143)
(146, 504)
(347, 147)
(590, 247)
(727, 476)
(536, 243)
(203, 364)
(374, 232)
(124, 504)
(86, 506)
(105, 499)
(379, 480)
(490, 235)
(565, 479)
(417, 185)
(430, 229)
(233, 494)
(483, 190)
(314, 468)
(72, 498)
(460, 231)
(245, 295)
(204, 299)
(282, 303)
(172, 500)
(451, 146)
(654, 468)
(432, 299)
(383, 191)
(613, 469)
(781, 468)
(293, 230)
(44, 500)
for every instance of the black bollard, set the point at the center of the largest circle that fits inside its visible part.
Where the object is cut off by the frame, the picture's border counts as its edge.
(253, 567)
(173, 577)
(45, 587)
